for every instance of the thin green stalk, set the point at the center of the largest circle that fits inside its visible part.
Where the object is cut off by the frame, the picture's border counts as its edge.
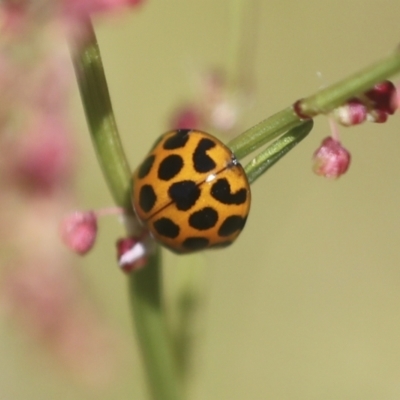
(335, 95)
(99, 114)
(322, 102)
(145, 285)
(151, 328)
(273, 153)
(264, 132)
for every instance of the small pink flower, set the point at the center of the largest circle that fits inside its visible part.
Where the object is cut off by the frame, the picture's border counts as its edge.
(79, 231)
(331, 159)
(354, 112)
(132, 254)
(377, 116)
(383, 97)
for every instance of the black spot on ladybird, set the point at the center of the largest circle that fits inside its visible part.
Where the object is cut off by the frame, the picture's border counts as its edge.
(203, 219)
(170, 167)
(146, 166)
(202, 162)
(195, 243)
(147, 198)
(221, 191)
(231, 224)
(166, 227)
(184, 194)
(178, 140)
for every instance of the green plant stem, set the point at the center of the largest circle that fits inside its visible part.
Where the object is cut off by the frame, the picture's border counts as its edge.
(273, 153)
(99, 114)
(335, 95)
(264, 132)
(320, 103)
(144, 286)
(151, 328)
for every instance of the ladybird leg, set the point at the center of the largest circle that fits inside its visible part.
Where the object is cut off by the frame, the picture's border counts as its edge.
(267, 158)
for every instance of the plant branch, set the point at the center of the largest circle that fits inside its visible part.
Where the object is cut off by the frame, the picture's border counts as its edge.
(322, 102)
(99, 114)
(145, 285)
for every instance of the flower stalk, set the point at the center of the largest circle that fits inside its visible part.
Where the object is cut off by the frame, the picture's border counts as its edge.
(99, 114)
(144, 285)
(322, 102)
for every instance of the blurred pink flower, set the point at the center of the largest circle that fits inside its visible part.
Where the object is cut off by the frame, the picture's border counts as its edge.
(186, 117)
(46, 298)
(43, 159)
(79, 231)
(22, 16)
(41, 290)
(78, 11)
(218, 105)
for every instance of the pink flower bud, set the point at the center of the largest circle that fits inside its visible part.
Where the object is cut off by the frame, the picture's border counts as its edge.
(79, 231)
(383, 96)
(187, 117)
(331, 159)
(377, 116)
(132, 254)
(354, 112)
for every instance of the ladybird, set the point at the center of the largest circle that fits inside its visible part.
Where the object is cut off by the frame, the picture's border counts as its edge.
(191, 193)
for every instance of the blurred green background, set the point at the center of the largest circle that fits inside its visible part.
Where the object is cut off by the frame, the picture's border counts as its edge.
(306, 304)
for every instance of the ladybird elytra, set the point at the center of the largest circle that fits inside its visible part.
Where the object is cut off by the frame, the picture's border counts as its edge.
(190, 192)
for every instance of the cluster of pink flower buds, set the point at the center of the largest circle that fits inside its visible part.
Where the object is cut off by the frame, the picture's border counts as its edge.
(331, 159)
(375, 105)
